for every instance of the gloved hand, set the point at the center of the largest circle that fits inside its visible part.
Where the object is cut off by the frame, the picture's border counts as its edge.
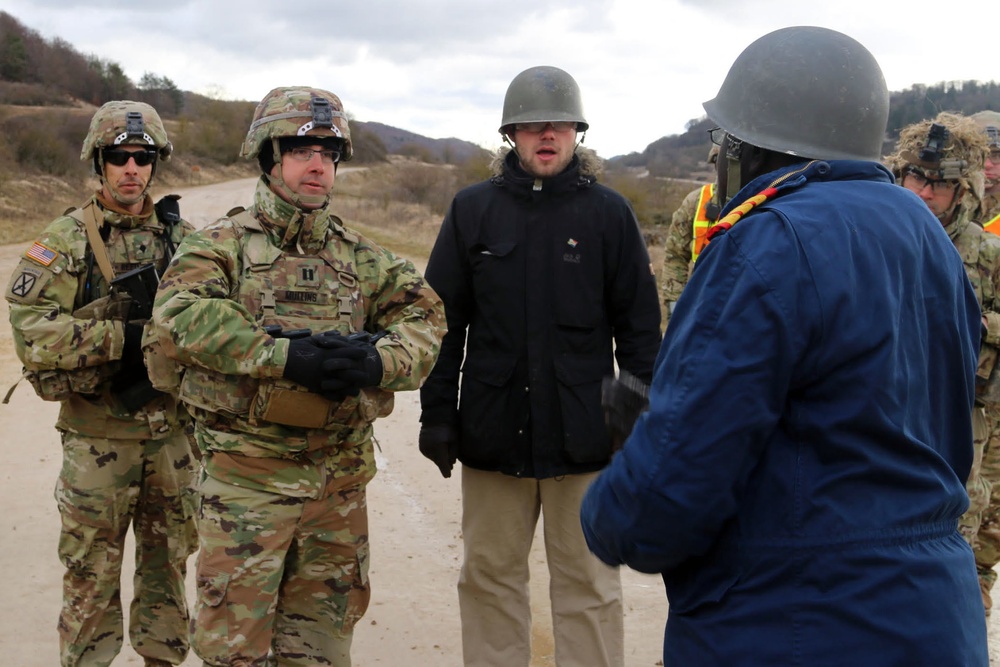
(623, 399)
(305, 363)
(439, 443)
(350, 364)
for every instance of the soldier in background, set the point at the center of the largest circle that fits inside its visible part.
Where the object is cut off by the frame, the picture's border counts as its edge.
(77, 327)
(941, 161)
(987, 544)
(292, 332)
(989, 121)
(687, 236)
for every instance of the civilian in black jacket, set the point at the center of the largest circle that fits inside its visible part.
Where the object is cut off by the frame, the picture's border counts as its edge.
(546, 281)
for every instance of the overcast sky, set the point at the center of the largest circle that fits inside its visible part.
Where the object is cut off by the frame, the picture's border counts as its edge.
(440, 68)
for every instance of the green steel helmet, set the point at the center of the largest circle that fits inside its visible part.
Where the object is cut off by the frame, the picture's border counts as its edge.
(294, 112)
(806, 91)
(125, 122)
(543, 93)
(990, 122)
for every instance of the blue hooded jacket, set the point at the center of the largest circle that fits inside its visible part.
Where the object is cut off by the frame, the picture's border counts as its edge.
(799, 475)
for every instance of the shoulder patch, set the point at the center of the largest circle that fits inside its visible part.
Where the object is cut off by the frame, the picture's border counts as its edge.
(41, 254)
(26, 284)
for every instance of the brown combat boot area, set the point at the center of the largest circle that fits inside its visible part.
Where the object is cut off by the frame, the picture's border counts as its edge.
(153, 662)
(984, 587)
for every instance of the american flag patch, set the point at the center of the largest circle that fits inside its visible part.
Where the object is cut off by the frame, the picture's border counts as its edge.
(41, 254)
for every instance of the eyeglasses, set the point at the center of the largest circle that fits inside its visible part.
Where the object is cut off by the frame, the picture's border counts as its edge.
(120, 157)
(916, 181)
(557, 125)
(717, 135)
(303, 154)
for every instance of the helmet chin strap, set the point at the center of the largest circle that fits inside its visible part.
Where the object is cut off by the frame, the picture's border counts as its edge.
(295, 198)
(734, 148)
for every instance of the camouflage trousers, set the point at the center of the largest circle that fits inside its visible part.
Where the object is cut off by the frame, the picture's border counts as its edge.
(987, 547)
(104, 486)
(281, 580)
(978, 486)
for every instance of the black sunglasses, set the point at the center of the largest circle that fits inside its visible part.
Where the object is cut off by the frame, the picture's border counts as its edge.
(120, 157)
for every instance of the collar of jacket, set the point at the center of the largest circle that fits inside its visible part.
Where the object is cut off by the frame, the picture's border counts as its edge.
(786, 178)
(581, 172)
(287, 225)
(117, 216)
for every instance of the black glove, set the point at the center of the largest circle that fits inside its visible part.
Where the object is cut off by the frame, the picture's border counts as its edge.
(305, 363)
(439, 443)
(623, 399)
(350, 364)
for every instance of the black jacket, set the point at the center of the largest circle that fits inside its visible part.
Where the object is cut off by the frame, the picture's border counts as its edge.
(541, 288)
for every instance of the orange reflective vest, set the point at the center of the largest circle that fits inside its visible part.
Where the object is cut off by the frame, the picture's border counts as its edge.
(993, 225)
(702, 223)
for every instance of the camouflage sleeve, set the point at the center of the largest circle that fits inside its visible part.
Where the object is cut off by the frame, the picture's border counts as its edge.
(411, 313)
(42, 292)
(677, 248)
(195, 317)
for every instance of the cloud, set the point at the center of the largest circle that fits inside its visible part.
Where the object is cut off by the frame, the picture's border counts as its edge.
(441, 67)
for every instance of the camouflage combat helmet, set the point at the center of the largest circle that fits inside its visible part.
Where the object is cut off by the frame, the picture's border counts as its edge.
(540, 94)
(949, 146)
(123, 122)
(989, 121)
(297, 111)
(805, 91)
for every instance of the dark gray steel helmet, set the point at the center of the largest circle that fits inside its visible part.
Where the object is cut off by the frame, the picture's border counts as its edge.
(806, 91)
(543, 93)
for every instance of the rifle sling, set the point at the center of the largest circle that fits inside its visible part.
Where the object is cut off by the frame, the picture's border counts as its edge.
(96, 242)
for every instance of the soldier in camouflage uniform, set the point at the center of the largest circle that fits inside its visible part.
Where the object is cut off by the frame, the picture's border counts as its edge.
(989, 121)
(987, 546)
(284, 419)
(126, 458)
(698, 210)
(941, 160)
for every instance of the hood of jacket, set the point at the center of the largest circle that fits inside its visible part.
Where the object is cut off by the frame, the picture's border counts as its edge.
(582, 170)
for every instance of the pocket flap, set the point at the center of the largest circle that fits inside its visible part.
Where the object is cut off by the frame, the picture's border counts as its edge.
(494, 370)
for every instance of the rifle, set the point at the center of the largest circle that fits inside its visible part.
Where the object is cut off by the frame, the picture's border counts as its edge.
(275, 331)
(131, 387)
(139, 285)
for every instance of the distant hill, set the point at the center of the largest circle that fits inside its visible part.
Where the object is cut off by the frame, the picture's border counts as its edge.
(403, 142)
(684, 155)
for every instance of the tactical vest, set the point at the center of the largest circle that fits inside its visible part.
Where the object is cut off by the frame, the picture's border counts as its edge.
(701, 222)
(318, 292)
(127, 249)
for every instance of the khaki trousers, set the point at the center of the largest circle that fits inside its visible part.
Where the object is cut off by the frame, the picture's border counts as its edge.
(499, 515)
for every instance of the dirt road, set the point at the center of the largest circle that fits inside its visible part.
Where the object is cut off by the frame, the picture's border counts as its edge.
(415, 529)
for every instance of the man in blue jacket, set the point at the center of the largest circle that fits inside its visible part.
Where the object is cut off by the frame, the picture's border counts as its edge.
(799, 475)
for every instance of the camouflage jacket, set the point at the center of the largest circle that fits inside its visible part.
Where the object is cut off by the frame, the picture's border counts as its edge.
(677, 249)
(980, 252)
(275, 265)
(68, 334)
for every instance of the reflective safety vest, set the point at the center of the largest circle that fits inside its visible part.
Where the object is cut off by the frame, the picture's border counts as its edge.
(702, 224)
(993, 225)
